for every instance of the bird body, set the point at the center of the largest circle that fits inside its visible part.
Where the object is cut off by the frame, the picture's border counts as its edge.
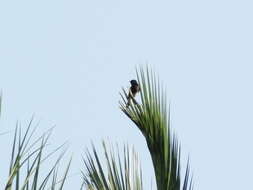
(134, 89)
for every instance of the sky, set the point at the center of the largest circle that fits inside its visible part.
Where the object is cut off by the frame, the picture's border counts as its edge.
(65, 62)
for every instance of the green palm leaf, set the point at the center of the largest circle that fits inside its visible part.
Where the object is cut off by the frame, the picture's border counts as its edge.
(27, 160)
(116, 175)
(152, 118)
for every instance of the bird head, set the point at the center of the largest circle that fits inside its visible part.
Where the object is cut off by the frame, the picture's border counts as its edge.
(133, 82)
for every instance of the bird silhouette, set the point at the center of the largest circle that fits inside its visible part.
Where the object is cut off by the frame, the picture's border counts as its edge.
(134, 89)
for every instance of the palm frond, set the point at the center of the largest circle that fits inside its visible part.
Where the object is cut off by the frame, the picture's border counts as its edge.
(27, 159)
(117, 175)
(152, 117)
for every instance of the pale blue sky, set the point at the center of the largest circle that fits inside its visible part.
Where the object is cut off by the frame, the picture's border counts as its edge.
(66, 61)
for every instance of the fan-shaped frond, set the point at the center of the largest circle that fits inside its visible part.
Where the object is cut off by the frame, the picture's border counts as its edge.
(115, 173)
(27, 159)
(152, 117)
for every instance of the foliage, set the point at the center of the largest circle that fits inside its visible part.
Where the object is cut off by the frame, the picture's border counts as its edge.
(120, 175)
(27, 161)
(152, 118)
(114, 171)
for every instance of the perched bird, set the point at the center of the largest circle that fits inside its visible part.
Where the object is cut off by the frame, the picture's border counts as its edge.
(134, 89)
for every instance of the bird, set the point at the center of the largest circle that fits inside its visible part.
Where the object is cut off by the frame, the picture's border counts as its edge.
(133, 90)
